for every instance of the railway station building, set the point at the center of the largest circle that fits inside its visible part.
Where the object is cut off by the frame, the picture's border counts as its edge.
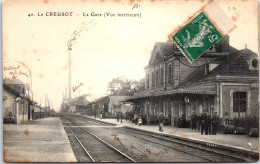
(223, 80)
(15, 105)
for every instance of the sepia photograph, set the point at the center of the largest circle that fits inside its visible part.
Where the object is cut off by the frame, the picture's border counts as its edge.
(98, 81)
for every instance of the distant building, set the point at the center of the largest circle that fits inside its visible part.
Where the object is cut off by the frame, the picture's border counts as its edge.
(65, 106)
(223, 80)
(38, 112)
(108, 106)
(79, 104)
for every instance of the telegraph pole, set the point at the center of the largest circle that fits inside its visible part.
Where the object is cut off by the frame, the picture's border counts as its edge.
(69, 76)
(74, 36)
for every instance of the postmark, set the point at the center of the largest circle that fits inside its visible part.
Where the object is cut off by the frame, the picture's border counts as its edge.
(196, 37)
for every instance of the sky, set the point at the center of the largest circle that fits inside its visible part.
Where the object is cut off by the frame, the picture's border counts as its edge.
(109, 47)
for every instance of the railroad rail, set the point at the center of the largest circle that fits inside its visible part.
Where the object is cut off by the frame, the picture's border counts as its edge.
(94, 120)
(214, 151)
(92, 153)
(210, 153)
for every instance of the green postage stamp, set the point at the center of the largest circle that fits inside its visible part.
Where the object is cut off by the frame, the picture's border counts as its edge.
(196, 37)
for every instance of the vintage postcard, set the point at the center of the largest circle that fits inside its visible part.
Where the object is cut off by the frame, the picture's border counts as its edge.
(130, 81)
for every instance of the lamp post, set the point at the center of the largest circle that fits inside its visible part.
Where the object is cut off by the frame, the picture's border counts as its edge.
(186, 100)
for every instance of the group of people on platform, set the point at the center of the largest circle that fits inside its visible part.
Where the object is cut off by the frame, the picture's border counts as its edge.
(136, 117)
(205, 123)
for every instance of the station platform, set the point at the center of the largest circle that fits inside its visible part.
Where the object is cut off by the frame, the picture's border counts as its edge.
(241, 142)
(42, 140)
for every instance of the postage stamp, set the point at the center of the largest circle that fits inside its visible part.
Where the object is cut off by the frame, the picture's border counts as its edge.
(196, 37)
(201, 31)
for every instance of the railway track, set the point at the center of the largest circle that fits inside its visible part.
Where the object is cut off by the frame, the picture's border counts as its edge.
(210, 152)
(94, 120)
(204, 152)
(99, 150)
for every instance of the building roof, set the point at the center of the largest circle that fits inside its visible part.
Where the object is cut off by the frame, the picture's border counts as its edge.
(16, 93)
(107, 99)
(235, 64)
(12, 81)
(167, 50)
(79, 102)
(169, 92)
(10, 90)
(15, 84)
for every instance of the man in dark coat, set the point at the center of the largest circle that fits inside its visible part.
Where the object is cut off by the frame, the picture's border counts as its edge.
(204, 123)
(126, 115)
(117, 116)
(131, 116)
(198, 122)
(209, 124)
(95, 114)
(144, 118)
(182, 122)
(193, 120)
(121, 116)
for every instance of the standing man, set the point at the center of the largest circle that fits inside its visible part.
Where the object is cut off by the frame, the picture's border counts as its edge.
(204, 123)
(193, 120)
(131, 116)
(209, 124)
(126, 115)
(135, 118)
(117, 116)
(198, 122)
(226, 119)
(161, 121)
(121, 116)
(214, 123)
(144, 119)
(95, 114)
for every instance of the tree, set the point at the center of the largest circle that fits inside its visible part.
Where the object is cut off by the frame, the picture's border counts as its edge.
(120, 86)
